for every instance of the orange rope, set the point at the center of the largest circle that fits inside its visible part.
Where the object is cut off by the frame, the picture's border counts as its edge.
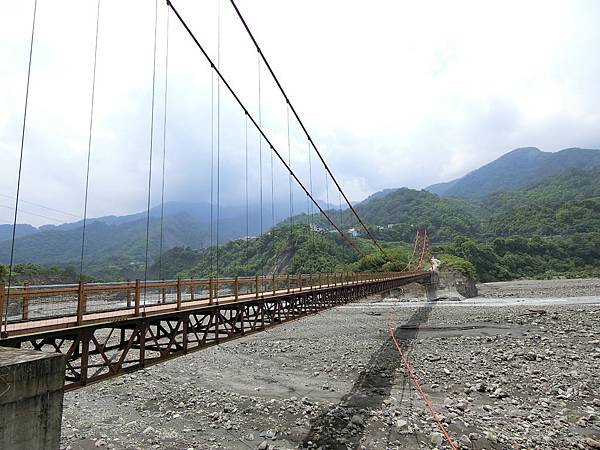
(418, 386)
(425, 245)
(417, 241)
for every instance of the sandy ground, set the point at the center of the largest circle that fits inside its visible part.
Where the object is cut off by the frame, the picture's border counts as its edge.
(516, 368)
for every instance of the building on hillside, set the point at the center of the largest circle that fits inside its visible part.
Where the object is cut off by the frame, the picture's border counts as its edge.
(316, 227)
(353, 232)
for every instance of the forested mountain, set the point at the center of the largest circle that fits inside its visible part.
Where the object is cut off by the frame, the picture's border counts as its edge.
(22, 230)
(559, 205)
(284, 249)
(123, 243)
(118, 242)
(556, 206)
(403, 210)
(515, 170)
(548, 227)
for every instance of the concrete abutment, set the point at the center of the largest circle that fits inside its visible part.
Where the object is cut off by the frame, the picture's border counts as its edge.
(31, 399)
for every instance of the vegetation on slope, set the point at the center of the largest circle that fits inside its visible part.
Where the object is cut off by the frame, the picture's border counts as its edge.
(126, 240)
(515, 170)
(397, 215)
(558, 206)
(522, 257)
(549, 228)
(282, 250)
(35, 274)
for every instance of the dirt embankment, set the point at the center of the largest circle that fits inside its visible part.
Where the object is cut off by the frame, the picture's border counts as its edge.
(446, 285)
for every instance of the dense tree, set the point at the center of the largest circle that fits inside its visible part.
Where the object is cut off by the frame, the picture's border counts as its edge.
(549, 228)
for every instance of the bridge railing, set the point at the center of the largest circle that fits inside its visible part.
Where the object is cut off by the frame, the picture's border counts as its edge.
(26, 303)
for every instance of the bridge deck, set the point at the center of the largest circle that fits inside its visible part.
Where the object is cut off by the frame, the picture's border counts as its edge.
(43, 308)
(103, 344)
(32, 326)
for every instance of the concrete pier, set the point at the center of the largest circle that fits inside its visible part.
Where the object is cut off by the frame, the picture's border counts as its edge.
(31, 399)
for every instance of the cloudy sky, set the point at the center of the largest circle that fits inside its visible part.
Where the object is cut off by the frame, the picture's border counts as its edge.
(394, 93)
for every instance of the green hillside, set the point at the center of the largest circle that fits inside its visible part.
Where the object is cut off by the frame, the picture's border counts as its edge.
(405, 209)
(110, 249)
(548, 228)
(282, 250)
(516, 169)
(556, 206)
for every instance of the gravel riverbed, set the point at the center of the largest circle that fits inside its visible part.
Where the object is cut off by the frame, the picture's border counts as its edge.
(516, 368)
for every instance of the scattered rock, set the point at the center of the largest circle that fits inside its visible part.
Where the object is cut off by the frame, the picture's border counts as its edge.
(592, 443)
(358, 420)
(402, 425)
(436, 438)
(508, 378)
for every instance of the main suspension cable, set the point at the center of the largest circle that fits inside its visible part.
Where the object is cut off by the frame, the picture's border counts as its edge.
(150, 156)
(164, 155)
(302, 125)
(256, 125)
(66, 213)
(23, 211)
(417, 242)
(89, 152)
(14, 230)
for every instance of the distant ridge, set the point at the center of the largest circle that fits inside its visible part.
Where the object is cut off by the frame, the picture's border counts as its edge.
(515, 170)
(377, 195)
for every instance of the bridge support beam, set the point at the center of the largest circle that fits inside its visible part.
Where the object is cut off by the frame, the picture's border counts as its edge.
(101, 350)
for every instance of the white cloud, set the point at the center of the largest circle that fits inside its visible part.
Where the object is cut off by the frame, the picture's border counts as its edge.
(394, 93)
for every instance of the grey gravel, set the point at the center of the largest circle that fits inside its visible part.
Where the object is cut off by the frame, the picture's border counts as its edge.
(501, 376)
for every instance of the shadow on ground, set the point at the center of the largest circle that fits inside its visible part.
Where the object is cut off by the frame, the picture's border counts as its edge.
(342, 426)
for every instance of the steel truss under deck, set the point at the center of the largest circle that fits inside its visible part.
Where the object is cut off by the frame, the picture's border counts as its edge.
(103, 350)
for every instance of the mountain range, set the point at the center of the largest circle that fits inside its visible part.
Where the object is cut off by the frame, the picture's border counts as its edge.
(119, 242)
(548, 228)
(515, 170)
(526, 191)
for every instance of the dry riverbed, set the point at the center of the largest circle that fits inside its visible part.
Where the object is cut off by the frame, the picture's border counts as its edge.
(516, 368)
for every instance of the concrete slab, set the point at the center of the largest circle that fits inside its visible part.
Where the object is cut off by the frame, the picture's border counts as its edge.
(31, 399)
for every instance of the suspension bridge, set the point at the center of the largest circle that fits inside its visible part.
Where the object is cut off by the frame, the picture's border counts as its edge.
(106, 329)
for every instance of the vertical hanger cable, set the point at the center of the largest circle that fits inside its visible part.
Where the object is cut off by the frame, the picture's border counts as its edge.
(89, 152)
(150, 154)
(17, 197)
(164, 155)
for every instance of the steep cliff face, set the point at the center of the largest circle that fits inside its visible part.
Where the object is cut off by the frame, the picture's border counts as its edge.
(454, 282)
(446, 285)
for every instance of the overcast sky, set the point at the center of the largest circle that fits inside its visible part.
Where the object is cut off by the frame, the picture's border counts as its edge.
(395, 93)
